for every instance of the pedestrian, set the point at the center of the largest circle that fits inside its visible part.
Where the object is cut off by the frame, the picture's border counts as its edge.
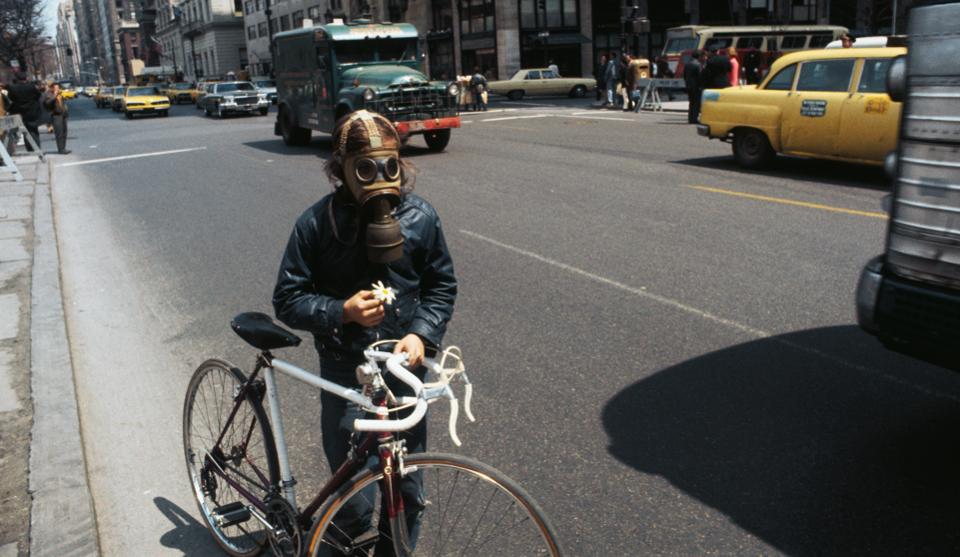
(751, 66)
(734, 67)
(611, 76)
(57, 107)
(847, 40)
(716, 73)
(478, 87)
(553, 68)
(45, 95)
(25, 101)
(370, 228)
(635, 73)
(598, 74)
(692, 71)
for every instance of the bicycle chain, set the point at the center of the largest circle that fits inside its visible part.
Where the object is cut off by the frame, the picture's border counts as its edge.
(286, 538)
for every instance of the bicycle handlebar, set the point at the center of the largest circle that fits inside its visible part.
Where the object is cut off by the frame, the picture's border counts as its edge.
(395, 367)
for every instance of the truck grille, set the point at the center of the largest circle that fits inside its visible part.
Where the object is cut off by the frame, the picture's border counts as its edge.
(907, 310)
(414, 103)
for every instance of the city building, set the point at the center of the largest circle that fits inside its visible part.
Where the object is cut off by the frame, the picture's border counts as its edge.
(169, 38)
(67, 48)
(213, 35)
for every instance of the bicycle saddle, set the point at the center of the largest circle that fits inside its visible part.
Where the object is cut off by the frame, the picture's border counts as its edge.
(261, 332)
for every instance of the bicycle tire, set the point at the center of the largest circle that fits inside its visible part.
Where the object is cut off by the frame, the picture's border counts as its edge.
(436, 536)
(207, 401)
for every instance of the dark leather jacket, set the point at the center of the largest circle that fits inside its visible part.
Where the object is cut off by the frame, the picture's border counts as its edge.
(319, 272)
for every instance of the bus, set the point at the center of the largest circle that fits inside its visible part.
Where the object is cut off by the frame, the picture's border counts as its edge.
(770, 40)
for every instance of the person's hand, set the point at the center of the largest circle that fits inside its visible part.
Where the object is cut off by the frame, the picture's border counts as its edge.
(362, 308)
(413, 346)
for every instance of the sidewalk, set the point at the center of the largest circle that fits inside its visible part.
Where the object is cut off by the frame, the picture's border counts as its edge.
(45, 502)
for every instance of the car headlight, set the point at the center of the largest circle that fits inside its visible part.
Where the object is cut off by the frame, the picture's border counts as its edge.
(228, 100)
(261, 97)
(369, 95)
(453, 89)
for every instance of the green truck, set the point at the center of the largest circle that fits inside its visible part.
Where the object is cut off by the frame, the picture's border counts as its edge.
(325, 72)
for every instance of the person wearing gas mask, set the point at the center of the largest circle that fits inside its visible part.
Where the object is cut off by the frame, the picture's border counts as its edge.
(370, 228)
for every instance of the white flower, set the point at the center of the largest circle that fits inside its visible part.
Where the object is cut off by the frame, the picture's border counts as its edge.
(383, 293)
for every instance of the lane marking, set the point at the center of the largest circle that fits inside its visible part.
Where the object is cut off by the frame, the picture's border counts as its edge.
(793, 202)
(747, 329)
(504, 118)
(125, 157)
(518, 103)
(594, 117)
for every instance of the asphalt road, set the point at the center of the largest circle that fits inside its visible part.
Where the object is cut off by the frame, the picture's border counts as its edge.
(664, 345)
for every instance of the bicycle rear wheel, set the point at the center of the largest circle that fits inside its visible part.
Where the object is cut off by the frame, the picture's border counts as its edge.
(469, 509)
(246, 455)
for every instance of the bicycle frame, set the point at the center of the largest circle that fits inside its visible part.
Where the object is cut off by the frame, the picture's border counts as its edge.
(370, 443)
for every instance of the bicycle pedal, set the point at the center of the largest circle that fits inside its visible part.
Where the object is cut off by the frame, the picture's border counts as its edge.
(364, 541)
(231, 514)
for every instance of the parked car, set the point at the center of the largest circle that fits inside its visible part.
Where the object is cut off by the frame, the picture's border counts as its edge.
(541, 81)
(180, 92)
(202, 87)
(146, 99)
(266, 86)
(229, 97)
(826, 104)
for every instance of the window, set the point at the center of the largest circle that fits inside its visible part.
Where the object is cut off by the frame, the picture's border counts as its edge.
(273, 25)
(793, 42)
(476, 16)
(718, 43)
(825, 75)
(336, 5)
(297, 19)
(539, 14)
(442, 15)
(750, 42)
(248, 7)
(820, 41)
(313, 12)
(284, 22)
(548, 74)
(256, 5)
(783, 80)
(874, 76)
(262, 29)
(252, 32)
(237, 7)
(533, 74)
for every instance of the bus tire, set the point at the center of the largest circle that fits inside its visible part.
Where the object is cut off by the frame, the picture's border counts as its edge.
(293, 135)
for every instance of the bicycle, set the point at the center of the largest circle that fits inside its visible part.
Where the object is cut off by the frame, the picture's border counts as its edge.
(241, 477)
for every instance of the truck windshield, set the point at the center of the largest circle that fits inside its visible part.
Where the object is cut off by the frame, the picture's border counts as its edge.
(383, 50)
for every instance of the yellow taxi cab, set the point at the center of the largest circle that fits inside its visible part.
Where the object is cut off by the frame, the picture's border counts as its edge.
(144, 99)
(69, 94)
(103, 96)
(826, 104)
(180, 91)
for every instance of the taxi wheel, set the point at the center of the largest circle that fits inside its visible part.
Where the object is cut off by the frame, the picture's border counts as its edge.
(129, 115)
(515, 95)
(751, 148)
(164, 113)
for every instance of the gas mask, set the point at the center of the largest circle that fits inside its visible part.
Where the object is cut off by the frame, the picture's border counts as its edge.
(373, 177)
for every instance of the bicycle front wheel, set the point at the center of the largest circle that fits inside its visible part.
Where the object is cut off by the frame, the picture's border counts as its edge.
(468, 508)
(225, 476)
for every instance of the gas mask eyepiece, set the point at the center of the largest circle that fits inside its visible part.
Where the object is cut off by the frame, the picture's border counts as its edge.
(373, 175)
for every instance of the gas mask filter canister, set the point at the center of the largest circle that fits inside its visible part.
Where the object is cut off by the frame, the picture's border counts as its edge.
(373, 177)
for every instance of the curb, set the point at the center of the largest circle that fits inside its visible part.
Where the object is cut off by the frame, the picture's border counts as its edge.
(62, 520)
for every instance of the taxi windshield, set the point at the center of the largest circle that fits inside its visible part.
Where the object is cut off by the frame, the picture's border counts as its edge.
(142, 91)
(182, 86)
(382, 50)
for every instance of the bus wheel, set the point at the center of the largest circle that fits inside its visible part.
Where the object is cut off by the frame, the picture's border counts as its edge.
(292, 134)
(437, 140)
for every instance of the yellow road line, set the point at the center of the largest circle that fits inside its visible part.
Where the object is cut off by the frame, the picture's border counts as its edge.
(793, 202)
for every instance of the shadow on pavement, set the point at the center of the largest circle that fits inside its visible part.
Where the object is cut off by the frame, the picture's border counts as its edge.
(830, 172)
(188, 535)
(319, 146)
(810, 455)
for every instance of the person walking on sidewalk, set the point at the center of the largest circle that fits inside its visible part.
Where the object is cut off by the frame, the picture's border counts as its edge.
(611, 76)
(599, 74)
(58, 112)
(734, 67)
(25, 101)
(478, 86)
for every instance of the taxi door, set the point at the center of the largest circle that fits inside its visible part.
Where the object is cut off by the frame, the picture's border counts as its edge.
(812, 113)
(868, 127)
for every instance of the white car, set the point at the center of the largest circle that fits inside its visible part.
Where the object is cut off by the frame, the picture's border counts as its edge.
(267, 86)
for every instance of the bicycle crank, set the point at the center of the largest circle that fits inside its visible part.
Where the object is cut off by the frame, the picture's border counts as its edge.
(286, 538)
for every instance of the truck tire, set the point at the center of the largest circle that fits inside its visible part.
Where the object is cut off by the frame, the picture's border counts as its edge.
(751, 148)
(437, 140)
(292, 134)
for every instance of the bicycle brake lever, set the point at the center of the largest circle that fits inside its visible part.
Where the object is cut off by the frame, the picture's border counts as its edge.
(454, 411)
(467, 397)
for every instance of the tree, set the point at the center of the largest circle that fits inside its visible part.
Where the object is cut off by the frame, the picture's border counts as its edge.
(21, 25)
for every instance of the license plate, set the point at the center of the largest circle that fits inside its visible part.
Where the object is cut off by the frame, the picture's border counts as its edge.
(416, 126)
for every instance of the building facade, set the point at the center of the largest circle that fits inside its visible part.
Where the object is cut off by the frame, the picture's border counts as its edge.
(68, 51)
(212, 31)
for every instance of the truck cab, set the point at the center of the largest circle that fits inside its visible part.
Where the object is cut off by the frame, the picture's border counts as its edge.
(325, 72)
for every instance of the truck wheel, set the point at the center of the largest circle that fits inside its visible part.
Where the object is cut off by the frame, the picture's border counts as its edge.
(293, 134)
(751, 148)
(437, 140)
(578, 92)
(515, 95)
